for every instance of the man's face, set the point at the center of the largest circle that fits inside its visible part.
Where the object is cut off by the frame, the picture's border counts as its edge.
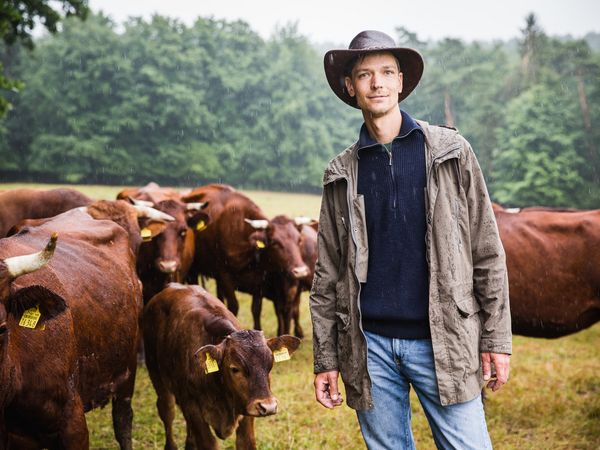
(376, 83)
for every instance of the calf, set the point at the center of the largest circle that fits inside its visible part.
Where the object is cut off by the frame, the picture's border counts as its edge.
(199, 357)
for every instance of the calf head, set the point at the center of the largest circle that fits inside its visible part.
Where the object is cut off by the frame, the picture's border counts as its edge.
(245, 359)
(281, 246)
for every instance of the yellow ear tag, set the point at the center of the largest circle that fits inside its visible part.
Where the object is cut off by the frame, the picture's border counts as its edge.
(201, 225)
(30, 317)
(260, 244)
(281, 355)
(211, 365)
(146, 234)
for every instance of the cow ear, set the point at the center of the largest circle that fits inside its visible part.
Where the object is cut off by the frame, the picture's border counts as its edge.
(210, 358)
(49, 303)
(290, 342)
(258, 240)
(198, 220)
(152, 229)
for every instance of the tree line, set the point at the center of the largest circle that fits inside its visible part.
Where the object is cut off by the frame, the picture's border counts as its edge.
(99, 102)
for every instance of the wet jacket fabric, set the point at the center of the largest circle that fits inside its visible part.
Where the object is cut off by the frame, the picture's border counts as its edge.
(468, 285)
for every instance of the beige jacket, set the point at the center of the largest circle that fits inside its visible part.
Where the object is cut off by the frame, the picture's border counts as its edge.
(468, 285)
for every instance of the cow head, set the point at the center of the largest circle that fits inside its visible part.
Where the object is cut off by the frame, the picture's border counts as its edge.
(281, 246)
(168, 239)
(245, 359)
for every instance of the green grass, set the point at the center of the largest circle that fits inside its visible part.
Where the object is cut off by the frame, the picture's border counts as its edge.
(552, 400)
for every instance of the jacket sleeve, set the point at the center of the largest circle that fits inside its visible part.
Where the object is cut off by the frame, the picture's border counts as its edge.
(323, 293)
(490, 278)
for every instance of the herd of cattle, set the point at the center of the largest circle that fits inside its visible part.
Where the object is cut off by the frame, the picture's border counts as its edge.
(84, 283)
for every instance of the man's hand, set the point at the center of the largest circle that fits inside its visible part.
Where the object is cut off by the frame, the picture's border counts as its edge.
(501, 362)
(326, 389)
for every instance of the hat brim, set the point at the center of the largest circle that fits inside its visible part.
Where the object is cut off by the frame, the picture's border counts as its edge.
(335, 61)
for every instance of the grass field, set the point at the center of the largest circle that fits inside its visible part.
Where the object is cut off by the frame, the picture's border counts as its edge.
(552, 400)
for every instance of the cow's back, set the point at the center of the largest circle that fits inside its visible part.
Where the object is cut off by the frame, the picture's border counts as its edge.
(19, 204)
(174, 328)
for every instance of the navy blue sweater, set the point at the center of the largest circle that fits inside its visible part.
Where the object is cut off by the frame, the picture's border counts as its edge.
(395, 299)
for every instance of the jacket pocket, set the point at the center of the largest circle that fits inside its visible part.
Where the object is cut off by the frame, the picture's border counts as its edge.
(467, 306)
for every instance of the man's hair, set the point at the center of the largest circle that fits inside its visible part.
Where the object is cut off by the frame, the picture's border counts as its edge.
(360, 57)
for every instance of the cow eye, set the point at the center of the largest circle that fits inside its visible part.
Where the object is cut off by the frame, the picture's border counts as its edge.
(3, 328)
(235, 370)
(182, 233)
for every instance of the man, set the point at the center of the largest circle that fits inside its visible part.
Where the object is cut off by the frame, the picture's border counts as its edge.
(410, 286)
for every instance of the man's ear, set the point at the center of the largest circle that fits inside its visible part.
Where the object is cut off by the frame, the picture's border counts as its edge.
(210, 358)
(290, 342)
(401, 76)
(349, 86)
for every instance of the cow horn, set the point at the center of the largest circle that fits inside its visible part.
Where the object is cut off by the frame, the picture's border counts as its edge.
(151, 213)
(195, 206)
(21, 265)
(142, 202)
(258, 224)
(302, 220)
(83, 209)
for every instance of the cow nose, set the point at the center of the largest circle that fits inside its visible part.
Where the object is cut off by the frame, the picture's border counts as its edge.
(168, 266)
(266, 407)
(300, 272)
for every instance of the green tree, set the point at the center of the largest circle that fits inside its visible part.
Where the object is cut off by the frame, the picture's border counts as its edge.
(18, 18)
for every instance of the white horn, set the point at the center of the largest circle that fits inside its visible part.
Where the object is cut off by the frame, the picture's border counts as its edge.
(302, 220)
(83, 209)
(195, 206)
(258, 224)
(20, 265)
(151, 213)
(142, 202)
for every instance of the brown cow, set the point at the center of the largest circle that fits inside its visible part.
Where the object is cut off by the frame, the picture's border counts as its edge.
(19, 204)
(168, 256)
(245, 251)
(553, 271)
(82, 353)
(185, 330)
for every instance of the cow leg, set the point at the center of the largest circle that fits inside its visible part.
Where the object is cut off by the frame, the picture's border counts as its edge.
(165, 403)
(227, 288)
(244, 435)
(277, 304)
(199, 436)
(74, 435)
(298, 332)
(122, 414)
(256, 310)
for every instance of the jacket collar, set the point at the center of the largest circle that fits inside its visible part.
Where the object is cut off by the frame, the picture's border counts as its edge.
(440, 142)
(408, 126)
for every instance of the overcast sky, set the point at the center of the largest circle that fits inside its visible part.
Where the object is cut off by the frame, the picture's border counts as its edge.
(338, 21)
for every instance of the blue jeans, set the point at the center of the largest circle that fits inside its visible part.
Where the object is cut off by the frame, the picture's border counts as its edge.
(395, 365)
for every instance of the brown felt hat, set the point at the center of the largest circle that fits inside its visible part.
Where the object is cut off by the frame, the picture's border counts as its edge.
(370, 41)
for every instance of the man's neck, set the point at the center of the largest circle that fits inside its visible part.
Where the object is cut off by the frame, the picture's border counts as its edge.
(385, 128)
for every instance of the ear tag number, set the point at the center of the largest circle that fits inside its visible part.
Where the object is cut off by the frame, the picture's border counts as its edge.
(201, 225)
(281, 355)
(146, 234)
(30, 317)
(211, 365)
(260, 244)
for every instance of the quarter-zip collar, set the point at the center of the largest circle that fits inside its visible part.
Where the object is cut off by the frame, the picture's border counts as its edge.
(408, 126)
